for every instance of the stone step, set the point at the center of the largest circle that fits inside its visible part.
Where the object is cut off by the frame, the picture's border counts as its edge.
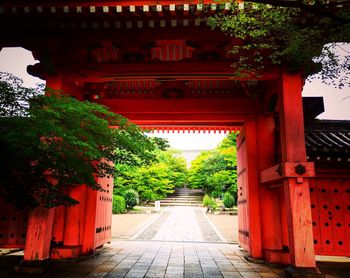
(185, 197)
(177, 204)
(180, 201)
(188, 193)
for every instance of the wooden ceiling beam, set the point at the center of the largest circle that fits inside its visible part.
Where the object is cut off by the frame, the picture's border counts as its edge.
(161, 71)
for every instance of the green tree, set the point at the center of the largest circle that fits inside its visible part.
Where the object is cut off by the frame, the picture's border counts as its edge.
(289, 33)
(196, 174)
(55, 142)
(228, 200)
(216, 171)
(153, 180)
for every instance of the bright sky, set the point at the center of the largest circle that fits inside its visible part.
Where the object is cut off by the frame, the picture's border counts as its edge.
(337, 102)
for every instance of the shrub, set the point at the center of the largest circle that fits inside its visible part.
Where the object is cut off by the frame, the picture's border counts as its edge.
(206, 200)
(209, 202)
(131, 198)
(118, 204)
(228, 201)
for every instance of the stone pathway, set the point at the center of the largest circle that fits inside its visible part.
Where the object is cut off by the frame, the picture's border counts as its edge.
(181, 224)
(166, 259)
(160, 254)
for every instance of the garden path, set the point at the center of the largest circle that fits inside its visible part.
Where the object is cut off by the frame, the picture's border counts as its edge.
(181, 224)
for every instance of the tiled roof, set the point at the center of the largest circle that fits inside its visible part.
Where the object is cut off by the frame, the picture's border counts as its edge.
(328, 140)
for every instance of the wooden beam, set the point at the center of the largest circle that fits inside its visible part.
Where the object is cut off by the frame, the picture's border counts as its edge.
(182, 106)
(182, 70)
(287, 170)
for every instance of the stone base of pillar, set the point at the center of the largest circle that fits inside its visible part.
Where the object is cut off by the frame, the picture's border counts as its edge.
(33, 267)
(300, 272)
(65, 252)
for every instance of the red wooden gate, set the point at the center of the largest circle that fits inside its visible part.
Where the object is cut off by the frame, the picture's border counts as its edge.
(104, 212)
(13, 226)
(242, 202)
(330, 207)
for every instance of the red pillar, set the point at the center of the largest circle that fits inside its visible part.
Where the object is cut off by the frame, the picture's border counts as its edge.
(40, 222)
(88, 245)
(54, 82)
(75, 218)
(270, 207)
(58, 224)
(39, 234)
(296, 190)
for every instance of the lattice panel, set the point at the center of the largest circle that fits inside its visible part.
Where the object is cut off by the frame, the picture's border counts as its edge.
(243, 217)
(330, 207)
(104, 212)
(13, 227)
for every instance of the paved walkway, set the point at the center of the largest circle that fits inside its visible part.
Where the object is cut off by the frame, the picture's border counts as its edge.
(166, 259)
(172, 246)
(181, 224)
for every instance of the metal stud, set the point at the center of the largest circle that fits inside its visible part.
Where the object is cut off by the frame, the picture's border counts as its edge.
(119, 9)
(145, 8)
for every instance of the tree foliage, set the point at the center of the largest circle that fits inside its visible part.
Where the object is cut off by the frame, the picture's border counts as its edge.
(56, 143)
(153, 180)
(216, 171)
(291, 33)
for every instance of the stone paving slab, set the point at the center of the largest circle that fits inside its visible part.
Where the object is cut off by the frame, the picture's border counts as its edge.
(184, 255)
(181, 224)
(164, 259)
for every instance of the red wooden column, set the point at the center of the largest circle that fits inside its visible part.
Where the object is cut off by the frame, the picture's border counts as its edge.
(75, 218)
(53, 82)
(39, 234)
(270, 207)
(88, 246)
(40, 222)
(296, 188)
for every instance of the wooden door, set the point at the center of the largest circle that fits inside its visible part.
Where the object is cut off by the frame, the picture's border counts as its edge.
(330, 208)
(103, 231)
(13, 226)
(242, 201)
